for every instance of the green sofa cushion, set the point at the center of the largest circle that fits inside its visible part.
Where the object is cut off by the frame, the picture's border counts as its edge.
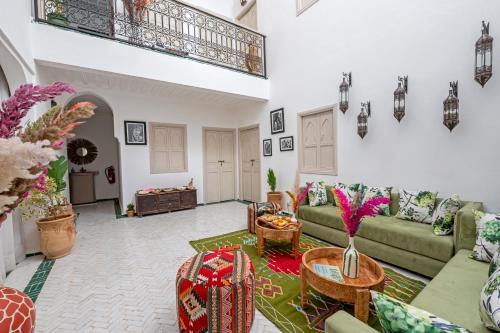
(454, 293)
(342, 322)
(410, 236)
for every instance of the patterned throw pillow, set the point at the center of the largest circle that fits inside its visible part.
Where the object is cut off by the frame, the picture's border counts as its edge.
(416, 206)
(489, 303)
(398, 317)
(378, 192)
(317, 194)
(443, 218)
(350, 190)
(487, 236)
(495, 263)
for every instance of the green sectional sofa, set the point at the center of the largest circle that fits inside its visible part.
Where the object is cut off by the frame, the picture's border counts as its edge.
(406, 244)
(453, 294)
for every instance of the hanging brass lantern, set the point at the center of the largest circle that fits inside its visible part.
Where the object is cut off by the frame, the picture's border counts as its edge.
(451, 106)
(344, 91)
(363, 119)
(484, 56)
(400, 98)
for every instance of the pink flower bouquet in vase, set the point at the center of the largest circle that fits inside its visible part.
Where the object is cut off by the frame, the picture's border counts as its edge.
(297, 196)
(353, 214)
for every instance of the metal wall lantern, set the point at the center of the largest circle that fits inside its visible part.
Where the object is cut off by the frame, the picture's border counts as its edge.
(484, 56)
(450, 107)
(400, 98)
(363, 116)
(344, 91)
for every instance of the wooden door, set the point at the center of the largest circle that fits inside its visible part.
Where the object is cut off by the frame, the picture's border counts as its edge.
(220, 166)
(250, 164)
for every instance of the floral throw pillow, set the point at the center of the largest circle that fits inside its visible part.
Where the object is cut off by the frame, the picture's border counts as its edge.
(495, 263)
(317, 194)
(398, 317)
(416, 206)
(489, 303)
(443, 218)
(350, 190)
(487, 236)
(378, 192)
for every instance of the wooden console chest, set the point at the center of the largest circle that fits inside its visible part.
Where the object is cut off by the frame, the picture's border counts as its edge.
(165, 202)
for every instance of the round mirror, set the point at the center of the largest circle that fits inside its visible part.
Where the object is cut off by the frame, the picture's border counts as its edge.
(81, 151)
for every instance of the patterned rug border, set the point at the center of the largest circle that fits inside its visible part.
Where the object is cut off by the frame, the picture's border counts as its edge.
(262, 304)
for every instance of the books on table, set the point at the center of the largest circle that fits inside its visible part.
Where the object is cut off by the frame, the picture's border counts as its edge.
(329, 271)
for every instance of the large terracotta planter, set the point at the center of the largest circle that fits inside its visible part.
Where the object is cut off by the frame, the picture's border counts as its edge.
(57, 235)
(275, 197)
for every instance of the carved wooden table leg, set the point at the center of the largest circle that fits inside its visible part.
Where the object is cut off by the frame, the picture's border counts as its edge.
(260, 243)
(362, 305)
(303, 286)
(295, 244)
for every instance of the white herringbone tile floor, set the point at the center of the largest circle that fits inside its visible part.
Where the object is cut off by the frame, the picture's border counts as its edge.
(120, 276)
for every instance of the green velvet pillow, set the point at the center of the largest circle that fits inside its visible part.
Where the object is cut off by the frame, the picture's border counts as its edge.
(489, 303)
(443, 218)
(379, 192)
(416, 206)
(398, 317)
(487, 236)
(317, 194)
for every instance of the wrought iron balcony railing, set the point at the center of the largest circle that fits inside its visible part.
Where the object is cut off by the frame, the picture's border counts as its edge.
(165, 25)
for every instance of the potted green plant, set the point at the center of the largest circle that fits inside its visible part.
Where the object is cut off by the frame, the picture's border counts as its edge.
(56, 226)
(130, 210)
(273, 196)
(57, 171)
(57, 16)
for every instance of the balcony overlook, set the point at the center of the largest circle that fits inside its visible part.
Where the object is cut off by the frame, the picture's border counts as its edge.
(166, 26)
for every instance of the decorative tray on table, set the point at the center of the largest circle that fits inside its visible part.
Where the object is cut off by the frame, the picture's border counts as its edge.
(278, 222)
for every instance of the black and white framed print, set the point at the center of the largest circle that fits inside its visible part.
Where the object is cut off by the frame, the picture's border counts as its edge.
(278, 121)
(135, 133)
(268, 147)
(286, 143)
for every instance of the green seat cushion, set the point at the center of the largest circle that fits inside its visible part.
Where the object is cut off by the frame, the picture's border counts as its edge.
(406, 235)
(454, 293)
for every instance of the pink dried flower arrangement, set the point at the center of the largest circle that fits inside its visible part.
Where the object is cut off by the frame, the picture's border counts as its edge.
(354, 212)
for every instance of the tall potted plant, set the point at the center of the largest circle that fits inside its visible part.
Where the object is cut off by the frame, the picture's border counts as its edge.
(56, 225)
(273, 196)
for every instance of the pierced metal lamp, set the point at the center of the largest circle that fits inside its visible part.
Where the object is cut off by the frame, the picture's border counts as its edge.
(363, 119)
(400, 98)
(344, 91)
(484, 56)
(451, 107)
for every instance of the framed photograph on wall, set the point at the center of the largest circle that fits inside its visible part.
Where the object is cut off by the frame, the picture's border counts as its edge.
(267, 147)
(278, 121)
(286, 143)
(135, 133)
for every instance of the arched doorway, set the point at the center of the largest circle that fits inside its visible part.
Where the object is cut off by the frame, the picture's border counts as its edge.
(94, 178)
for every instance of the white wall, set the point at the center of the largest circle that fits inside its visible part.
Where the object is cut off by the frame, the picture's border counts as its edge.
(100, 131)
(223, 8)
(433, 43)
(135, 62)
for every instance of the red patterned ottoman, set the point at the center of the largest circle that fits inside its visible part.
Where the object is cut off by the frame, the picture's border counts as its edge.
(215, 293)
(17, 312)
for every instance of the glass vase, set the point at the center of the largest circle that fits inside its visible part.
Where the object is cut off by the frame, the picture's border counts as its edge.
(350, 260)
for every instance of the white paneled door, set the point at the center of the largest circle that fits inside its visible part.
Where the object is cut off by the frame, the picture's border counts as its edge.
(250, 164)
(219, 166)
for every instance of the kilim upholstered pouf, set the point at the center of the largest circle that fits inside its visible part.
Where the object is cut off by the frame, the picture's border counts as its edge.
(215, 293)
(17, 312)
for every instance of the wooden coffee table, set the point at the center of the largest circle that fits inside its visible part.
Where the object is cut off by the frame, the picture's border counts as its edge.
(265, 232)
(354, 291)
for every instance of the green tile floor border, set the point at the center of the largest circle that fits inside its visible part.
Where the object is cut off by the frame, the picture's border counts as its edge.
(36, 283)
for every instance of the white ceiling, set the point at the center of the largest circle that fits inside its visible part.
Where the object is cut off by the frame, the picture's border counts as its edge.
(93, 80)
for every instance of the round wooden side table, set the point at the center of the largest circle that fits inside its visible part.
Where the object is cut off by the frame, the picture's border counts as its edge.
(291, 234)
(353, 291)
